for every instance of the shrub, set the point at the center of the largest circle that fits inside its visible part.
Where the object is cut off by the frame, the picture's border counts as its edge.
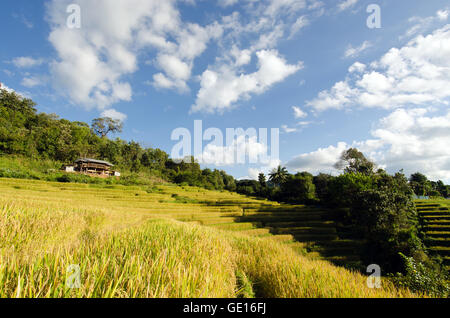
(298, 188)
(422, 277)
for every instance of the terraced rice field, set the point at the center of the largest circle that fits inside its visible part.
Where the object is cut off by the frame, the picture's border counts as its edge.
(167, 241)
(308, 229)
(435, 219)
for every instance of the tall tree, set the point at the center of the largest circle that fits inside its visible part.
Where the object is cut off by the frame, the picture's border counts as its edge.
(353, 161)
(278, 175)
(105, 125)
(262, 180)
(420, 184)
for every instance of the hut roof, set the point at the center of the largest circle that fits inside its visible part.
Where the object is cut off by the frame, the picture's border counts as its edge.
(88, 160)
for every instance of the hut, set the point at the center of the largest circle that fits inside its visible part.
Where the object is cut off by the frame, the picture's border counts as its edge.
(68, 169)
(93, 167)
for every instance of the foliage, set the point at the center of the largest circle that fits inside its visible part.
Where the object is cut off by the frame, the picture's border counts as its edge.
(105, 125)
(298, 188)
(421, 277)
(26, 134)
(341, 190)
(386, 219)
(423, 187)
(354, 161)
(278, 175)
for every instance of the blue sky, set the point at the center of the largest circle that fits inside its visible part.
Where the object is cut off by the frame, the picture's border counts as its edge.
(313, 69)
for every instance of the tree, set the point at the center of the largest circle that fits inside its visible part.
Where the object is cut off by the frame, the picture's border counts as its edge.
(298, 188)
(385, 217)
(420, 184)
(262, 180)
(104, 126)
(352, 160)
(321, 182)
(278, 176)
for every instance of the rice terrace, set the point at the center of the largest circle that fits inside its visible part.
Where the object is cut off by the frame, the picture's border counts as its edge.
(225, 157)
(147, 242)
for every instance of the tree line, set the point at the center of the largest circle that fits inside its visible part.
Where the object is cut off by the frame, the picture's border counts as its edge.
(27, 133)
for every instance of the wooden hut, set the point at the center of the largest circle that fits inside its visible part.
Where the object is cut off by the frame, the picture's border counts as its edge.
(94, 167)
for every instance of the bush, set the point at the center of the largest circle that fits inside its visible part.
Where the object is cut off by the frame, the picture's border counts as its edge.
(342, 189)
(298, 188)
(422, 277)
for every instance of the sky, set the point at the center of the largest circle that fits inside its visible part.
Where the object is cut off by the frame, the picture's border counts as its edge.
(329, 75)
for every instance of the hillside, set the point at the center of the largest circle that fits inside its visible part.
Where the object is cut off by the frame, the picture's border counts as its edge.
(435, 219)
(160, 241)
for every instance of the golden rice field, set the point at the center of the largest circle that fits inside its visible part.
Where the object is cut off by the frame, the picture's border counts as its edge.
(161, 241)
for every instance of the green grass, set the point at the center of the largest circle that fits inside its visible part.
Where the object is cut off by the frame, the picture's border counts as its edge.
(128, 243)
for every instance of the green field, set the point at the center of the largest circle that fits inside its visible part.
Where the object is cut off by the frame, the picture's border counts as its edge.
(435, 219)
(168, 241)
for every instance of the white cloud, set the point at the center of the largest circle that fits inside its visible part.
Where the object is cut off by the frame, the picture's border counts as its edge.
(32, 81)
(346, 4)
(3, 86)
(162, 81)
(299, 24)
(220, 155)
(321, 160)
(298, 113)
(222, 88)
(423, 25)
(443, 14)
(227, 3)
(288, 130)
(416, 74)
(408, 139)
(357, 67)
(93, 61)
(253, 173)
(276, 6)
(114, 114)
(27, 62)
(356, 51)
(411, 140)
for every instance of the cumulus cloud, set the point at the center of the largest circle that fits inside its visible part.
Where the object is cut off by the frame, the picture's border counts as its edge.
(93, 61)
(357, 67)
(321, 160)
(416, 74)
(222, 88)
(409, 139)
(114, 114)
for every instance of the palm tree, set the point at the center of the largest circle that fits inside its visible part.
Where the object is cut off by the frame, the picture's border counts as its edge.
(262, 180)
(278, 175)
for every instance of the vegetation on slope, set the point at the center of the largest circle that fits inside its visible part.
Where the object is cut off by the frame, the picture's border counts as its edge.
(45, 137)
